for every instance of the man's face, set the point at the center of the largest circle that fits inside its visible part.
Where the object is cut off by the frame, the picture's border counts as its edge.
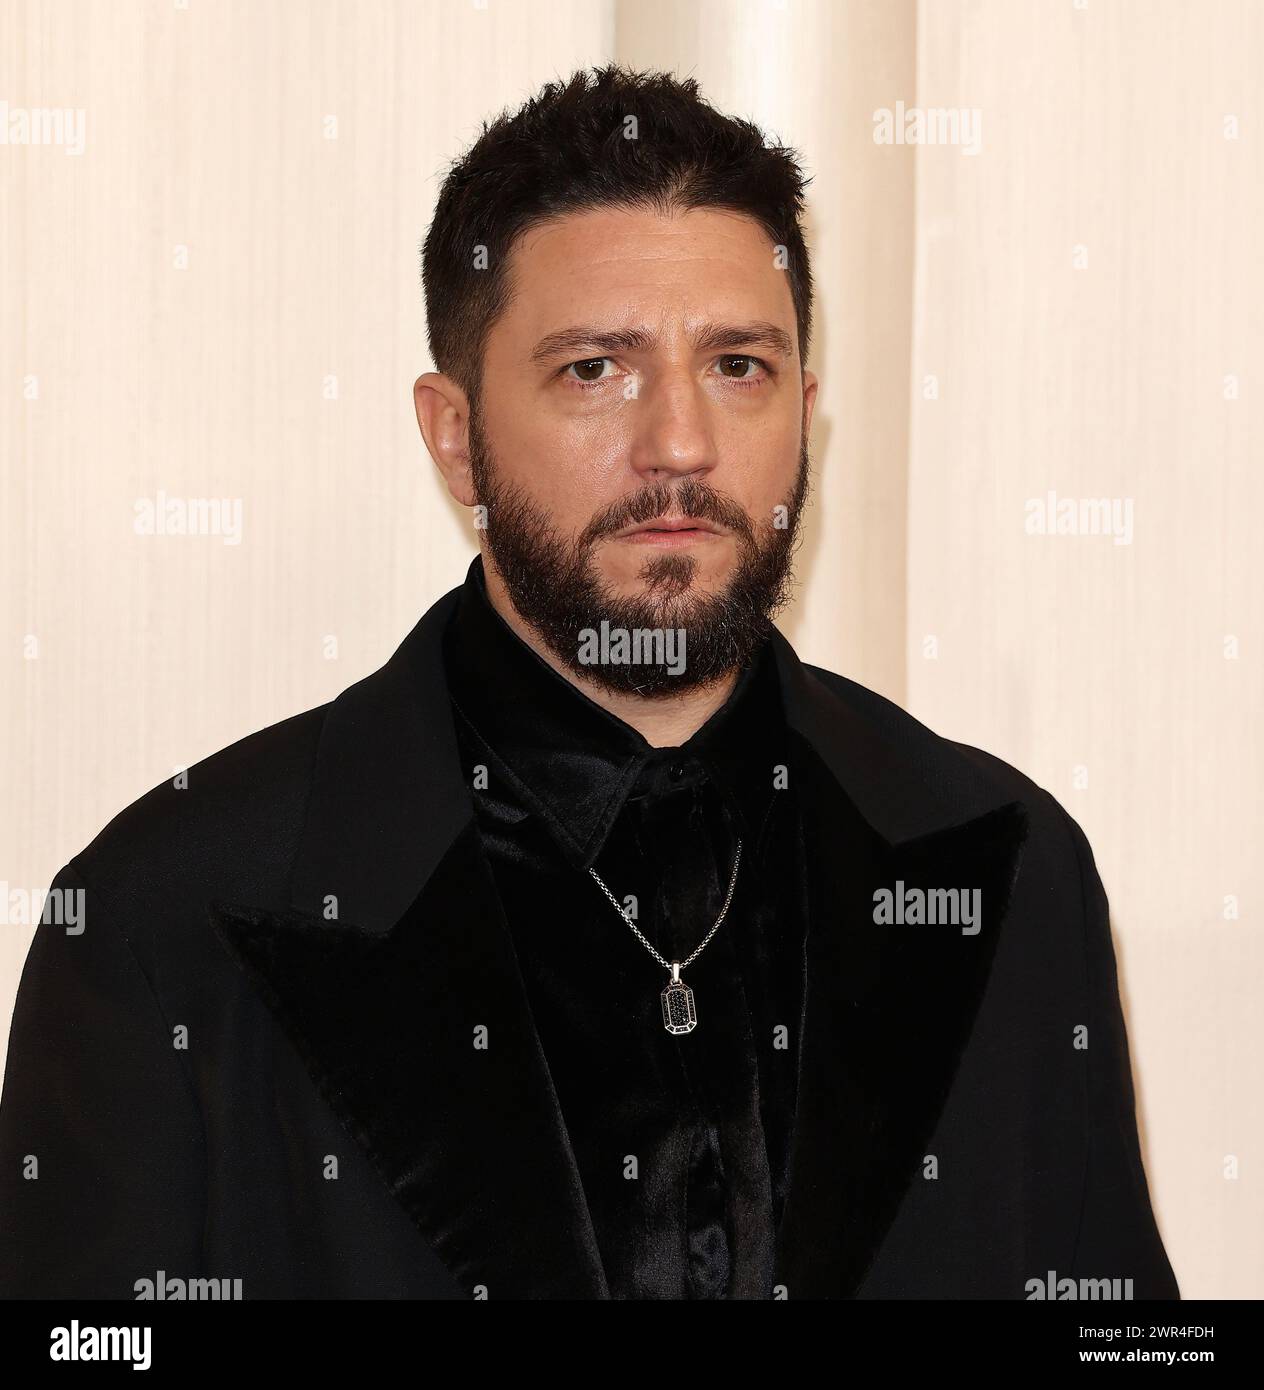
(646, 374)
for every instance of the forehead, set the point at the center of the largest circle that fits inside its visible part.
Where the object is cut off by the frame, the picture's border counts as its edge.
(624, 267)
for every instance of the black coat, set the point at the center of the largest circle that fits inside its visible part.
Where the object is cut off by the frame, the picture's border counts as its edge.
(227, 1075)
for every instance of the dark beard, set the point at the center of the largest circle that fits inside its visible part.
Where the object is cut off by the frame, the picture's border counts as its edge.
(559, 593)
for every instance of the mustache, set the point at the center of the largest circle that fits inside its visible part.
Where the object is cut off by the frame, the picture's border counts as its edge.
(690, 498)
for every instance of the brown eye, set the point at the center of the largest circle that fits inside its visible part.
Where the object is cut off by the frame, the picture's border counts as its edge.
(583, 369)
(748, 381)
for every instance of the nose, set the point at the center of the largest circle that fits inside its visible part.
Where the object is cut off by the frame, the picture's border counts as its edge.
(673, 436)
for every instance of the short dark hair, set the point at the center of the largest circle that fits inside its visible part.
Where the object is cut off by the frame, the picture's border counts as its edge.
(566, 150)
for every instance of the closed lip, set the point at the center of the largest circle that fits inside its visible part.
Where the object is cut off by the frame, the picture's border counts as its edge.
(672, 523)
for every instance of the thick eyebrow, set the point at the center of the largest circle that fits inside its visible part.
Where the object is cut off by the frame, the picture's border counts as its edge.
(710, 337)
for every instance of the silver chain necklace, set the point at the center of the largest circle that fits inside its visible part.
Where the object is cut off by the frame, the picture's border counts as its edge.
(679, 1013)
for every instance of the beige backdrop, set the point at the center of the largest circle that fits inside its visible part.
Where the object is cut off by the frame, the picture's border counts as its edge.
(210, 291)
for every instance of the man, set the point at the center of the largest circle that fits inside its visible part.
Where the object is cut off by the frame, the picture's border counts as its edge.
(594, 947)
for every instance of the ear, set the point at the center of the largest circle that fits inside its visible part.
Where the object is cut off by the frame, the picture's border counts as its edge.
(809, 401)
(443, 414)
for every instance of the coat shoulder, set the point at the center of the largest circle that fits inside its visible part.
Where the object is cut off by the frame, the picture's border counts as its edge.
(231, 820)
(949, 764)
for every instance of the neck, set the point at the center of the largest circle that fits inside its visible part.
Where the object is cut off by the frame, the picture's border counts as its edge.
(663, 723)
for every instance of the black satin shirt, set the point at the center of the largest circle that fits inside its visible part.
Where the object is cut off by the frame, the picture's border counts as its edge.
(681, 1140)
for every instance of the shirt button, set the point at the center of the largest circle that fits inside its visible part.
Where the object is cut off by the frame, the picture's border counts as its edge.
(677, 771)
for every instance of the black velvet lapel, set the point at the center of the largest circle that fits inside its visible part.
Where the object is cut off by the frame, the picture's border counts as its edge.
(422, 1041)
(887, 1015)
(383, 1000)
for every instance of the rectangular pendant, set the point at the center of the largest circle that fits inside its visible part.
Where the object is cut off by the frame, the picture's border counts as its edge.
(679, 1014)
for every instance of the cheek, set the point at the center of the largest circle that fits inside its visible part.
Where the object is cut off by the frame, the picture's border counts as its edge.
(571, 470)
(760, 481)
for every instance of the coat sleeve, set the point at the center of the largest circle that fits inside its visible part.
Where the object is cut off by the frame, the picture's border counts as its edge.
(101, 1143)
(1118, 1235)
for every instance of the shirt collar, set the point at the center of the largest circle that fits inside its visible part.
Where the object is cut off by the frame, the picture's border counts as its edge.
(573, 763)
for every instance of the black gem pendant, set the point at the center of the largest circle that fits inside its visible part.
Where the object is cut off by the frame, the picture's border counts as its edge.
(679, 1014)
